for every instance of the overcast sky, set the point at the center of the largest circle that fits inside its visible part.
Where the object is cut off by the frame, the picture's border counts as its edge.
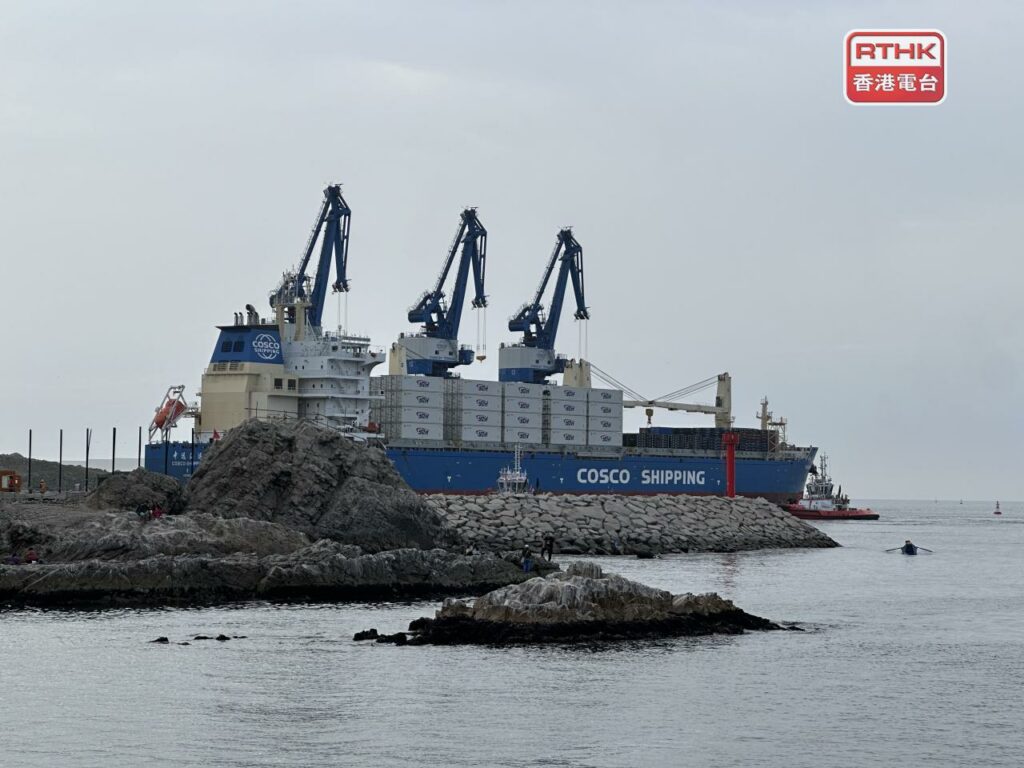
(160, 166)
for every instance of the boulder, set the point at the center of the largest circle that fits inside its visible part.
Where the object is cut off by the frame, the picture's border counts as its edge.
(129, 490)
(316, 481)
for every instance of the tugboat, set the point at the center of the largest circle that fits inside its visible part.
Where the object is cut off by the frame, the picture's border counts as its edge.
(820, 503)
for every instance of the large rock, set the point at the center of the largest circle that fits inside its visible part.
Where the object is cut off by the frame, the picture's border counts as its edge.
(128, 490)
(580, 605)
(316, 481)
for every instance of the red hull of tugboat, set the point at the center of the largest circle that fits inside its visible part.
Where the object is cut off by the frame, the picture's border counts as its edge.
(831, 514)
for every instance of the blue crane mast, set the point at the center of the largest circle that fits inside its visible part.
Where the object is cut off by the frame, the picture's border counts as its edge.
(534, 359)
(437, 350)
(333, 221)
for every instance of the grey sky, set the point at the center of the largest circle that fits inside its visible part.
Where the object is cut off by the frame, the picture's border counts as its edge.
(160, 167)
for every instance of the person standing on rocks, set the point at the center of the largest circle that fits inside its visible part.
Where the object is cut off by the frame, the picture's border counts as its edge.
(527, 557)
(548, 548)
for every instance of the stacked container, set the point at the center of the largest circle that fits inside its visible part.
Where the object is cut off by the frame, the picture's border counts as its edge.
(473, 411)
(410, 407)
(567, 416)
(523, 412)
(604, 417)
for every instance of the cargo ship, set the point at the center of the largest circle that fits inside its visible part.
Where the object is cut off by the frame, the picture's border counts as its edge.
(450, 434)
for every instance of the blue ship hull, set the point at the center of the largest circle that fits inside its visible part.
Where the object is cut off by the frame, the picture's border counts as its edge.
(476, 471)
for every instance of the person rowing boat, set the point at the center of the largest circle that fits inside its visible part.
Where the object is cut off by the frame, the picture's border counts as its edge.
(909, 548)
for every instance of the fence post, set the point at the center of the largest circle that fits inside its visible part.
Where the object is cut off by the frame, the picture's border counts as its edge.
(60, 464)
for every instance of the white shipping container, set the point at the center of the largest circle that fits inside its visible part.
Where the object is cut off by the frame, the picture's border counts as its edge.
(480, 402)
(517, 390)
(605, 396)
(419, 415)
(604, 438)
(417, 432)
(414, 383)
(606, 409)
(481, 434)
(568, 422)
(568, 437)
(569, 408)
(481, 418)
(522, 435)
(492, 388)
(520, 405)
(568, 393)
(604, 423)
(522, 420)
(413, 399)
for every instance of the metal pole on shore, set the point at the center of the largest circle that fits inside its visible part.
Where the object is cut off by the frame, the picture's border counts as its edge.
(139, 462)
(113, 452)
(88, 442)
(166, 449)
(192, 460)
(30, 461)
(60, 464)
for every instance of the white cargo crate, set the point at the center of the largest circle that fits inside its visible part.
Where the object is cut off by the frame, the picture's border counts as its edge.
(604, 423)
(612, 410)
(480, 402)
(568, 437)
(492, 388)
(481, 434)
(419, 415)
(522, 435)
(568, 422)
(480, 418)
(604, 438)
(522, 405)
(568, 393)
(522, 420)
(605, 396)
(413, 399)
(414, 383)
(569, 408)
(517, 389)
(417, 432)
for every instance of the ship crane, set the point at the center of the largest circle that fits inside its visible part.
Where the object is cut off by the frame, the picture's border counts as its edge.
(721, 410)
(534, 359)
(436, 349)
(333, 220)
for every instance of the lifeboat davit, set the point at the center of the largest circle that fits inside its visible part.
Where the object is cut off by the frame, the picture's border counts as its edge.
(171, 412)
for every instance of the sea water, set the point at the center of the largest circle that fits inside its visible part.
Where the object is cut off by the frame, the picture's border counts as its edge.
(905, 660)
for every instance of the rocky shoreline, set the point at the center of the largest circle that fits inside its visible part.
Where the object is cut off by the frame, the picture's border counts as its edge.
(291, 511)
(602, 524)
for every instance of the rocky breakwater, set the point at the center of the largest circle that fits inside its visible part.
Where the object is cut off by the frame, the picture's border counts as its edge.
(581, 605)
(276, 511)
(601, 524)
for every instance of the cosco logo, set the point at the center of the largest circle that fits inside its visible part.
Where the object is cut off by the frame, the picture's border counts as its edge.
(570, 408)
(483, 418)
(266, 346)
(594, 476)
(422, 399)
(422, 431)
(524, 420)
(422, 383)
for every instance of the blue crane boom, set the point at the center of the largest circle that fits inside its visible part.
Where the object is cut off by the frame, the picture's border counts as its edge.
(523, 362)
(333, 220)
(441, 321)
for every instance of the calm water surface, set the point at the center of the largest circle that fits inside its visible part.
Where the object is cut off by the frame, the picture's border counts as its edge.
(907, 660)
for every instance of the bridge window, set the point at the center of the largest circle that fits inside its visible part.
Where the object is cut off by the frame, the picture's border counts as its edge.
(225, 346)
(238, 346)
(278, 384)
(291, 384)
